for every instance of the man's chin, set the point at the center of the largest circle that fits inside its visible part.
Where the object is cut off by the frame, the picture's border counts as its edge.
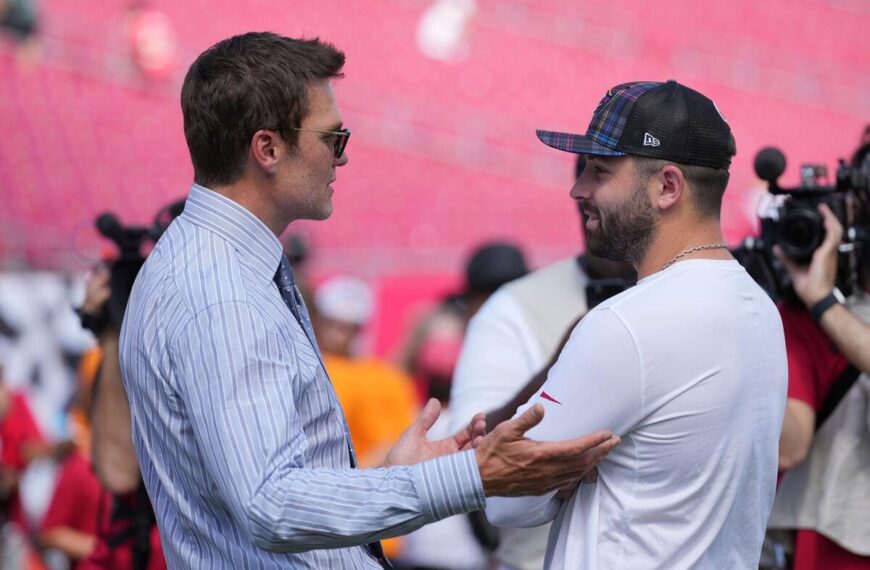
(324, 214)
(603, 250)
(317, 215)
(324, 211)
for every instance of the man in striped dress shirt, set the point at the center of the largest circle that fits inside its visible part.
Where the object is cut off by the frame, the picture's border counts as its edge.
(243, 446)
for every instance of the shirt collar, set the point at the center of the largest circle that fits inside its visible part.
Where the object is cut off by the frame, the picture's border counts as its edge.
(258, 246)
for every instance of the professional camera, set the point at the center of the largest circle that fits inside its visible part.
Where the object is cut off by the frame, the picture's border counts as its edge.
(132, 242)
(794, 223)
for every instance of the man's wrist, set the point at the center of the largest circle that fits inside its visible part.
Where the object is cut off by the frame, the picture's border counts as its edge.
(449, 485)
(821, 306)
(810, 298)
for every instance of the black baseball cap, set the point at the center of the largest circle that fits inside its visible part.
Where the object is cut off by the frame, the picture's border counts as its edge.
(492, 265)
(658, 120)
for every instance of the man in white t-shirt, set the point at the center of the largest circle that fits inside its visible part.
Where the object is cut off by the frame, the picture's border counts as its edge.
(688, 366)
(510, 343)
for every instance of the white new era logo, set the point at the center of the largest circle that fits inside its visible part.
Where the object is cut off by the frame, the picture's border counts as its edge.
(649, 140)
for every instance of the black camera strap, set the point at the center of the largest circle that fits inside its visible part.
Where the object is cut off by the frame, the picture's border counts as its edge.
(838, 391)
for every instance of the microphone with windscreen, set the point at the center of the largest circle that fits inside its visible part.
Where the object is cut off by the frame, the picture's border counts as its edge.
(770, 164)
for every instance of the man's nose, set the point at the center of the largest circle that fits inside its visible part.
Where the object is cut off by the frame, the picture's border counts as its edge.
(580, 189)
(342, 160)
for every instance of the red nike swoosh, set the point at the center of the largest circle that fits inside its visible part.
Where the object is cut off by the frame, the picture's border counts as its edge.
(546, 396)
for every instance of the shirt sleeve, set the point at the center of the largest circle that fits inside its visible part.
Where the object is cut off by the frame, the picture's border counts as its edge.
(802, 383)
(597, 384)
(240, 395)
(496, 361)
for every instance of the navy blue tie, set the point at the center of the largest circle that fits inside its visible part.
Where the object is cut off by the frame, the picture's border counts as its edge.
(291, 295)
(293, 298)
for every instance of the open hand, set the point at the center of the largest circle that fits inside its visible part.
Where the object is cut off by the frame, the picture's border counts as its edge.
(513, 465)
(413, 446)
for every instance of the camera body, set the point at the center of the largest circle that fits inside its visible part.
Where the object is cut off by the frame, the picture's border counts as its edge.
(797, 227)
(133, 243)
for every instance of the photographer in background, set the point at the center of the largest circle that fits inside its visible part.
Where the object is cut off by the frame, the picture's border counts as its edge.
(127, 534)
(815, 285)
(824, 494)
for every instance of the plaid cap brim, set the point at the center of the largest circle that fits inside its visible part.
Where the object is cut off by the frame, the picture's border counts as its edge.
(579, 144)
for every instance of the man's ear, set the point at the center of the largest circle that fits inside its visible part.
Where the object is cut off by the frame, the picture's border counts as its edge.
(266, 147)
(671, 187)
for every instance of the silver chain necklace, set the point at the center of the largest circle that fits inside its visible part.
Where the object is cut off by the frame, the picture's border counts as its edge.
(720, 245)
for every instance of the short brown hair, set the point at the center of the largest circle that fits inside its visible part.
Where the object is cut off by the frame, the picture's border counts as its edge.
(245, 83)
(708, 184)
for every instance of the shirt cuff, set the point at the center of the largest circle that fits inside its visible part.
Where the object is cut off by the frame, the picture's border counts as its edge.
(449, 485)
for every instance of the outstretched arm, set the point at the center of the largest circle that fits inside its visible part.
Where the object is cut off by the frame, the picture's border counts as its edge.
(114, 457)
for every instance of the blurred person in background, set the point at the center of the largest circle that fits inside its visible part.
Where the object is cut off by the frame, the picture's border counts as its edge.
(69, 527)
(824, 493)
(19, 19)
(445, 321)
(20, 440)
(124, 529)
(41, 341)
(378, 399)
(510, 345)
(152, 40)
(489, 267)
(241, 440)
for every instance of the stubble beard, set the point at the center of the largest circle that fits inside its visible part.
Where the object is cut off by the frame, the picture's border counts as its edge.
(625, 233)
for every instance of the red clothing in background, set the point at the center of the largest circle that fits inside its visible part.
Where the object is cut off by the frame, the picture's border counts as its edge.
(109, 555)
(18, 430)
(76, 500)
(814, 365)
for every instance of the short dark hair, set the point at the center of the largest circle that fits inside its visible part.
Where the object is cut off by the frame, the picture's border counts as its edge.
(245, 83)
(708, 184)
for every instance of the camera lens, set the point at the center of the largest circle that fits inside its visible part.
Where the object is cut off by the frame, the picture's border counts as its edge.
(801, 231)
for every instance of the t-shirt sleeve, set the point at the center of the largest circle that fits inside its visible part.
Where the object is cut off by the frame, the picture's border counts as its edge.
(597, 384)
(494, 363)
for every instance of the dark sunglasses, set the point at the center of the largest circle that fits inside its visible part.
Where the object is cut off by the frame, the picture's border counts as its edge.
(341, 138)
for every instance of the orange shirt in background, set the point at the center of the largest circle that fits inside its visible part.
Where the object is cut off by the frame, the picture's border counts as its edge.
(379, 402)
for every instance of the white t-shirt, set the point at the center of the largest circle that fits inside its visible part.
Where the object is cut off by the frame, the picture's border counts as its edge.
(503, 349)
(499, 356)
(689, 368)
(505, 346)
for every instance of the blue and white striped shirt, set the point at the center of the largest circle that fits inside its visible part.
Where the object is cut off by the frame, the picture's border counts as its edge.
(241, 441)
